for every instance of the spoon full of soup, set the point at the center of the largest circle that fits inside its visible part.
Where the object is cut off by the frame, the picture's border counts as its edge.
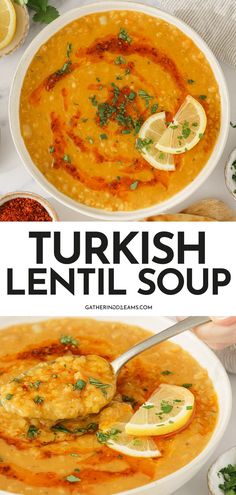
(76, 386)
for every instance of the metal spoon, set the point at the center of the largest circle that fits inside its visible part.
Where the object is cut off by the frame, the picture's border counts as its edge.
(169, 332)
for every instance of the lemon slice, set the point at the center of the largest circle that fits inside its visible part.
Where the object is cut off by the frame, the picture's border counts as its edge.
(112, 433)
(168, 409)
(149, 135)
(7, 22)
(186, 129)
(117, 439)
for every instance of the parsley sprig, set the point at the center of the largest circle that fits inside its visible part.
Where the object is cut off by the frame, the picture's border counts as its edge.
(44, 13)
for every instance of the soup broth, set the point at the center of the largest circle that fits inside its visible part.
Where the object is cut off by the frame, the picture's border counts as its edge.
(38, 458)
(86, 94)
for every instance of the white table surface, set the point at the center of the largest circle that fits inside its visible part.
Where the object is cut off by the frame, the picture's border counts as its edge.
(13, 176)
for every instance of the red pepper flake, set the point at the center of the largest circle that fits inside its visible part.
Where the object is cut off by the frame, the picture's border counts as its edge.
(23, 210)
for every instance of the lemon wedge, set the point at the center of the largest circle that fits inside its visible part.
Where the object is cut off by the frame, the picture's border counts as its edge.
(7, 22)
(112, 433)
(149, 135)
(168, 410)
(186, 129)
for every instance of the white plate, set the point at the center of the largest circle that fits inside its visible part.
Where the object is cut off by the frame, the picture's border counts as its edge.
(51, 29)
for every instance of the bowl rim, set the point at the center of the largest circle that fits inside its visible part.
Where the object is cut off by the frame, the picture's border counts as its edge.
(14, 100)
(27, 194)
(222, 424)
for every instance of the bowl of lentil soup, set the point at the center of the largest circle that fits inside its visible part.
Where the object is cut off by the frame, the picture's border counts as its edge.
(78, 102)
(67, 462)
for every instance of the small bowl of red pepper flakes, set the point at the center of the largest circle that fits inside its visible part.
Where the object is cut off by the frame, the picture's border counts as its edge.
(26, 207)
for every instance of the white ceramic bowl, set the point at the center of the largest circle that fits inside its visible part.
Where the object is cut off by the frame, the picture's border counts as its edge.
(208, 360)
(42, 37)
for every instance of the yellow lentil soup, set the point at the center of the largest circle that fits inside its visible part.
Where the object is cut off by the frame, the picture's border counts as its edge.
(43, 458)
(86, 94)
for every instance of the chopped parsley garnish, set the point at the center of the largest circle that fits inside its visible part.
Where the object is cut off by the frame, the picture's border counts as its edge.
(167, 372)
(229, 477)
(9, 396)
(127, 71)
(186, 131)
(124, 36)
(93, 100)
(36, 384)
(166, 408)
(91, 427)
(143, 144)
(187, 385)
(105, 112)
(132, 95)
(120, 60)
(154, 108)
(38, 399)
(80, 384)
(148, 406)
(32, 432)
(65, 69)
(68, 50)
(67, 158)
(72, 479)
(189, 408)
(51, 149)
(202, 97)
(200, 135)
(134, 185)
(90, 139)
(104, 437)
(233, 125)
(102, 386)
(68, 340)
(145, 96)
(190, 81)
(103, 136)
(125, 131)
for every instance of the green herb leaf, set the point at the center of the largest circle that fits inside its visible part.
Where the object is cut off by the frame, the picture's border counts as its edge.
(202, 97)
(104, 437)
(143, 144)
(148, 406)
(46, 17)
(65, 69)
(103, 136)
(32, 432)
(69, 340)
(72, 479)
(120, 60)
(124, 36)
(68, 50)
(51, 149)
(145, 96)
(9, 396)
(233, 125)
(80, 384)
(166, 408)
(190, 81)
(154, 108)
(134, 185)
(38, 399)
(167, 372)
(102, 386)
(187, 385)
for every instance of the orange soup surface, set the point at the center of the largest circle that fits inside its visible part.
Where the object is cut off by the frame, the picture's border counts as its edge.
(86, 94)
(42, 458)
